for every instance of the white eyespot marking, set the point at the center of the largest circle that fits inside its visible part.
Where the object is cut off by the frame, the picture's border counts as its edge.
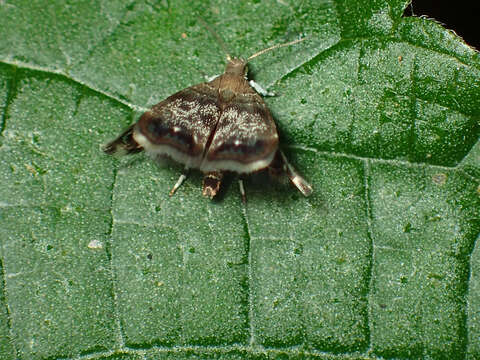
(176, 129)
(237, 142)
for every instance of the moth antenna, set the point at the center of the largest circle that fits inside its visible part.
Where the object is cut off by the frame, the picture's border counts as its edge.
(218, 38)
(261, 52)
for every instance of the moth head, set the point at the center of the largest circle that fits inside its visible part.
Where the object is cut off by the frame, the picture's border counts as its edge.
(237, 67)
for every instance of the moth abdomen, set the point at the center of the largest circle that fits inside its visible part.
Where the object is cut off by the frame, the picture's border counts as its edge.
(211, 183)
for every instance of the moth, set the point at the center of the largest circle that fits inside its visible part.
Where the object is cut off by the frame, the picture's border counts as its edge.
(218, 126)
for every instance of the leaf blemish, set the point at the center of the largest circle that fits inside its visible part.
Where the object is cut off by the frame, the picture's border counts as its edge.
(439, 179)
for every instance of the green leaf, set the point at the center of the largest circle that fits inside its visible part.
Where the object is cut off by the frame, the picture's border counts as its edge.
(379, 112)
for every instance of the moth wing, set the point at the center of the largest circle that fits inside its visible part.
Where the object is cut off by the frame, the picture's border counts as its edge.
(180, 125)
(124, 144)
(245, 138)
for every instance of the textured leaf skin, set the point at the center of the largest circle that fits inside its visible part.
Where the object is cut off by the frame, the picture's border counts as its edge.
(381, 113)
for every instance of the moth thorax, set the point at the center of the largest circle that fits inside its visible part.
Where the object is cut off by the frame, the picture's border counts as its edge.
(237, 67)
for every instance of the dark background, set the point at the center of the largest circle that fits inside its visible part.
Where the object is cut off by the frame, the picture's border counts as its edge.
(461, 16)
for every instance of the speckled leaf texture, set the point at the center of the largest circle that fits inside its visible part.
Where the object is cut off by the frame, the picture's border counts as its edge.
(380, 112)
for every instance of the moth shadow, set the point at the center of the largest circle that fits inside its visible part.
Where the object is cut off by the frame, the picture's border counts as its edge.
(262, 185)
(259, 186)
(131, 161)
(159, 161)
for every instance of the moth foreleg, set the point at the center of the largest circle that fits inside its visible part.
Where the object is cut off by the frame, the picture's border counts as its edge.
(124, 144)
(211, 183)
(259, 89)
(242, 191)
(211, 78)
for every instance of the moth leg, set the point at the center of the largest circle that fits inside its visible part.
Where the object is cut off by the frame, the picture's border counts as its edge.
(124, 144)
(211, 78)
(211, 183)
(242, 191)
(259, 89)
(296, 179)
(179, 182)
